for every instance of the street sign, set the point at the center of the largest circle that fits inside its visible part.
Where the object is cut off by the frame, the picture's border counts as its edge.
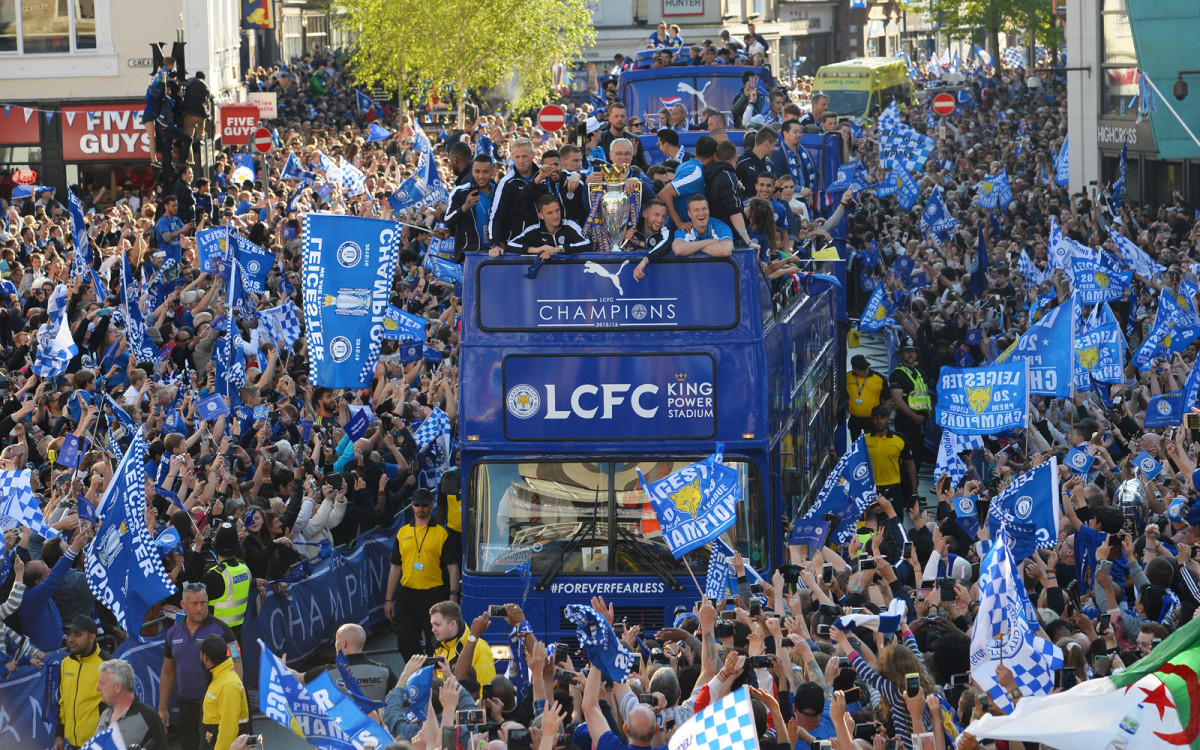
(261, 140)
(551, 118)
(944, 104)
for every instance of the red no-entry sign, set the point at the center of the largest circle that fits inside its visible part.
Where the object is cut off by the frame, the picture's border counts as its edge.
(944, 104)
(262, 140)
(551, 118)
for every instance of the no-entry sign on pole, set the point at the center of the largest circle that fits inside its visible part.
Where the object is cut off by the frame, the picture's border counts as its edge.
(551, 118)
(944, 104)
(261, 140)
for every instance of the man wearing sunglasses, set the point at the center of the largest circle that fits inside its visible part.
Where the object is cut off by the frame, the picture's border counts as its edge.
(182, 668)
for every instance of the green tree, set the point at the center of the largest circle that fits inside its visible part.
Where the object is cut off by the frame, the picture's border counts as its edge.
(966, 19)
(466, 44)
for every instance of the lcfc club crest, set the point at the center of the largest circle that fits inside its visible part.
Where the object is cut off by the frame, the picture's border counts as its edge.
(979, 398)
(1147, 465)
(1163, 407)
(1023, 507)
(349, 254)
(966, 505)
(523, 401)
(1078, 460)
(860, 473)
(340, 349)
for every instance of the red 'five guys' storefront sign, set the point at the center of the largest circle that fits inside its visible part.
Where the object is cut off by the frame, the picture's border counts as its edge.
(104, 132)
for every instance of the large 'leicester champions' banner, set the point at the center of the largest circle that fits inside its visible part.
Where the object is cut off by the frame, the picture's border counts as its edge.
(348, 266)
(984, 400)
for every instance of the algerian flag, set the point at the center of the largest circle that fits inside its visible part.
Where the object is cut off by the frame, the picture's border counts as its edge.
(1142, 706)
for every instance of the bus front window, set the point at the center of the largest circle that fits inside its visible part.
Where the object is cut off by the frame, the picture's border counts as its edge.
(551, 511)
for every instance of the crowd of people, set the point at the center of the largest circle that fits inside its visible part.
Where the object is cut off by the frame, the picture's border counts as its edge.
(244, 501)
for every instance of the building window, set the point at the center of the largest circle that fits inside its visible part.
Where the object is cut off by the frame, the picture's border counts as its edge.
(1118, 75)
(33, 27)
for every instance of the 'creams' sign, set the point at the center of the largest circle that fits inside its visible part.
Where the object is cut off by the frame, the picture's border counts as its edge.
(105, 132)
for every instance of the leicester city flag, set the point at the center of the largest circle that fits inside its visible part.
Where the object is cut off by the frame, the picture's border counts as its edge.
(1062, 165)
(1028, 507)
(124, 570)
(1042, 346)
(936, 218)
(847, 491)
(877, 315)
(348, 266)
(696, 504)
(424, 187)
(377, 133)
(1098, 356)
(402, 326)
(900, 183)
(995, 191)
(984, 400)
(212, 249)
(81, 261)
(1096, 282)
(1175, 327)
(254, 263)
(1118, 188)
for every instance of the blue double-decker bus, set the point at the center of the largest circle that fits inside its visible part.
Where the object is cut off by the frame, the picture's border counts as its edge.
(572, 381)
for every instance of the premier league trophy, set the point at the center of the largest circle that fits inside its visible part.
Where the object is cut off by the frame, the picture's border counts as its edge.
(612, 209)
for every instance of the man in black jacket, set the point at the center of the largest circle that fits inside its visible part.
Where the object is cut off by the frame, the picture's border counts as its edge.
(756, 160)
(551, 180)
(195, 113)
(724, 192)
(616, 129)
(551, 235)
(185, 195)
(508, 217)
(470, 206)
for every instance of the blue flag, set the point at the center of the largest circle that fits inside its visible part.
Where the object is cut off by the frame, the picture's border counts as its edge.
(936, 218)
(900, 183)
(966, 515)
(845, 177)
(1146, 464)
(810, 532)
(377, 132)
(1175, 327)
(1096, 282)
(1028, 507)
(72, 450)
(1164, 411)
(348, 266)
(352, 688)
(292, 169)
(1079, 462)
(1098, 356)
(1042, 346)
(122, 570)
(81, 261)
(1118, 188)
(424, 187)
(443, 269)
(356, 427)
(140, 345)
(109, 739)
(877, 315)
(977, 265)
(995, 191)
(720, 570)
(254, 263)
(363, 101)
(1062, 165)
(212, 249)
(5, 565)
(416, 694)
(604, 650)
(212, 407)
(243, 169)
(847, 491)
(402, 326)
(345, 714)
(985, 400)
(695, 504)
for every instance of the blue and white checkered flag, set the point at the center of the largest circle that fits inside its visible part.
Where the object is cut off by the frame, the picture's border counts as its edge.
(1003, 631)
(1013, 57)
(282, 323)
(890, 119)
(109, 739)
(56, 346)
(1138, 259)
(1033, 275)
(332, 172)
(902, 146)
(948, 461)
(727, 724)
(17, 502)
(352, 180)
(436, 424)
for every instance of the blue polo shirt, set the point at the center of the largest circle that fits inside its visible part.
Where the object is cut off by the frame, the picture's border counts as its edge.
(183, 646)
(164, 226)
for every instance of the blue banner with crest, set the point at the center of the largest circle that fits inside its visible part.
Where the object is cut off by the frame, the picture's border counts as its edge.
(983, 400)
(696, 504)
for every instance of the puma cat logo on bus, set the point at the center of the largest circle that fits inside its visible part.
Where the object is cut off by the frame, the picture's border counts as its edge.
(615, 278)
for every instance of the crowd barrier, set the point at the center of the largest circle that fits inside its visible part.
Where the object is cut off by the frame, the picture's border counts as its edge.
(348, 587)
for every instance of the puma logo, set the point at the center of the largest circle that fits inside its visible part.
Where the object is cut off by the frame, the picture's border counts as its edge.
(687, 89)
(599, 270)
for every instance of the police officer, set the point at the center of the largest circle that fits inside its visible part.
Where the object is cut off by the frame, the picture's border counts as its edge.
(182, 667)
(374, 679)
(913, 400)
(424, 571)
(225, 713)
(228, 582)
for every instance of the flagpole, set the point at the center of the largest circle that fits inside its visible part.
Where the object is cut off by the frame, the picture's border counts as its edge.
(688, 565)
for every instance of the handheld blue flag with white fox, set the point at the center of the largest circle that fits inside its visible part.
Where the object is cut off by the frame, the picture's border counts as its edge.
(984, 400)
(696, 504)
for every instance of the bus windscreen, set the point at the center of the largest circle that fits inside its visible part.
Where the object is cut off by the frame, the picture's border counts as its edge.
(589, 518)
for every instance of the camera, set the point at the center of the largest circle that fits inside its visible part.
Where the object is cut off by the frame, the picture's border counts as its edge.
(725, 630)
(647, 700)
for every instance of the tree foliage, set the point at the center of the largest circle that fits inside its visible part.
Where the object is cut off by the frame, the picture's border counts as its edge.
(965, 19)
(466, 44)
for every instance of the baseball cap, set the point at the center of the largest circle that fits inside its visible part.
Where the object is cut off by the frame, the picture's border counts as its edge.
(422, 497)
(83, 624)
(214, 648)
(859, 362)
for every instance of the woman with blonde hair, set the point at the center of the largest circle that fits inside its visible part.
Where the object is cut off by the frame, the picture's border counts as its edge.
(889, 676)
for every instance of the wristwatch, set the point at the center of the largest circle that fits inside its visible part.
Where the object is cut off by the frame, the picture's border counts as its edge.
(471, 638)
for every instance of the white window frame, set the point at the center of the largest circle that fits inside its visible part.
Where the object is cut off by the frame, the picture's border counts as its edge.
(101, 61)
